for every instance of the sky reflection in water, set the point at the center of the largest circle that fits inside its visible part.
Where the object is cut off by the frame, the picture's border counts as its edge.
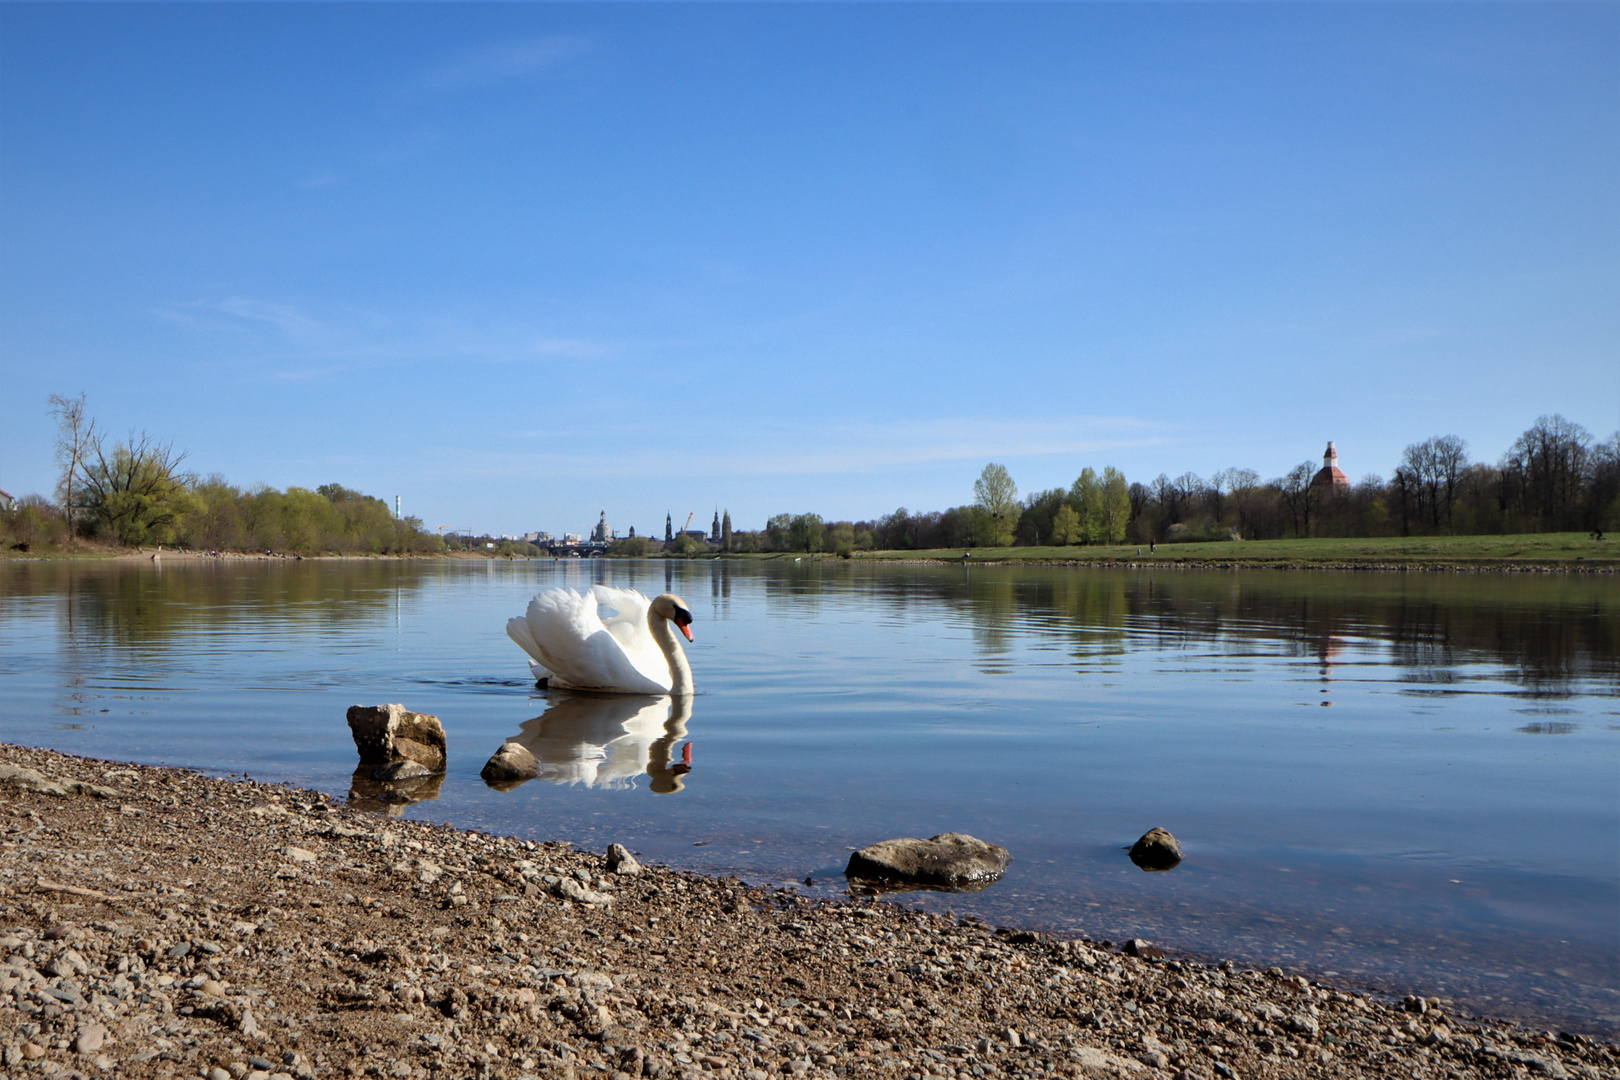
(1404, 779)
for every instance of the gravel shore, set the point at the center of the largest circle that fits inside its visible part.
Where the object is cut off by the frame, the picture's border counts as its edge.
(154, 922)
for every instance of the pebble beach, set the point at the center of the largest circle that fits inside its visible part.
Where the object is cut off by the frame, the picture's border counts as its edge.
(156, 922)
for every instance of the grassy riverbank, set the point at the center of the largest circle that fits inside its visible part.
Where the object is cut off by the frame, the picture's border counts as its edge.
(1525, 551)
(164, 924)
(1564, 551)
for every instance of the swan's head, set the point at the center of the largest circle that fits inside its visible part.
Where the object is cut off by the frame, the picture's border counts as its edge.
(671, 607)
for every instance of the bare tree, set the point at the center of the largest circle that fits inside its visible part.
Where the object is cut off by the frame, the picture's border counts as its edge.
(1240, 485)
(1295, 489)
(76, 441)
(1550, 463)
(1433, 468)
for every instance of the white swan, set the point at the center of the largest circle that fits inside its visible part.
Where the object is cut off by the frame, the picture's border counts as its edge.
(612, 641)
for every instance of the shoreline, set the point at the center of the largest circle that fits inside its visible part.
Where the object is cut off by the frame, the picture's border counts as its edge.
(160, 922)
(987, 557)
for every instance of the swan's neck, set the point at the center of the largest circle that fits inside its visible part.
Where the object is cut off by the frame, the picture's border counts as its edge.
(680, 672)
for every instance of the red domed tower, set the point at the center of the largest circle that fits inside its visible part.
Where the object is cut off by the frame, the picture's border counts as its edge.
(1329, 475)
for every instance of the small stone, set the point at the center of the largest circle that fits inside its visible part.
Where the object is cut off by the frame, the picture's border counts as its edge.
(217, 1073)
(213, 988)
(90, 1039)
(301, 855)
(32, 1051)
(246, 1023)
(1154, 1059)
(1011, 1038)
(1156, 851)
(620, 861)
(1142, 948)
(510, 766)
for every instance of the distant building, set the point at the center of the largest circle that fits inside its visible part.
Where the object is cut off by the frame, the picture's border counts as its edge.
(714, 530)
(601, 534)
(6, 501)
(1330, 475)
(669, 529)
(572, 538)
(697, 534)
(632, 532)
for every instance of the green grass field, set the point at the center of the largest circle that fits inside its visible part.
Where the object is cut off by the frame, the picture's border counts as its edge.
(1530, 549)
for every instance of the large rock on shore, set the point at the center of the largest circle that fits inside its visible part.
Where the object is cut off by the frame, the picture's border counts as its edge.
(388, 733)
(948, 861)
(1156, 851)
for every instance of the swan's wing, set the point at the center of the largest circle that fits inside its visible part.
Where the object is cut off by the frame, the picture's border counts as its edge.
(518, 630)
(565, 635)
(625, 616)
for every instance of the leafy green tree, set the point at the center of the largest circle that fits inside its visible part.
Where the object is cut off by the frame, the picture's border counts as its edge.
(777, 529)
(995, 496)
(806, 533)
(725, 531)
(137, 495)
(1085, 495)
(1066, 526)
(684, 544)
(629, 547)
(1115, 508)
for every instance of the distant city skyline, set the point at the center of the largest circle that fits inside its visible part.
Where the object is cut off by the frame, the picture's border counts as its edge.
(515, 263)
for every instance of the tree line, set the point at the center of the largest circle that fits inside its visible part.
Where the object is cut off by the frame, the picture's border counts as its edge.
(136, 492)
(1555, 478)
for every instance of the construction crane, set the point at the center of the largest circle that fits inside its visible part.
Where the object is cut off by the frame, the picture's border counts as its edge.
(689, 518)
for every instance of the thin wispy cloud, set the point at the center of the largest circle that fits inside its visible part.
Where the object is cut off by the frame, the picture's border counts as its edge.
(845, 448)
(295, 343)
(497, 63)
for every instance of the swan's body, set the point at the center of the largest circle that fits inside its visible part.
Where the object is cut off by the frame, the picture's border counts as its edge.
(612, 641)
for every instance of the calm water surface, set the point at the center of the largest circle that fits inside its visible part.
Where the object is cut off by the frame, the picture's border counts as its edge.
(1402, 781)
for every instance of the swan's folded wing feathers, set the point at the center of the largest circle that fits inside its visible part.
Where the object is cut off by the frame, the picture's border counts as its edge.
(628, 625)
(578, 650)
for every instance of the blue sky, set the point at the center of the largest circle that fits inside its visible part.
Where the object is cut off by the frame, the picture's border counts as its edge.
(521, 263)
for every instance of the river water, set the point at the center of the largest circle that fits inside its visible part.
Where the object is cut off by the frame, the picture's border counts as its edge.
(1394, 781)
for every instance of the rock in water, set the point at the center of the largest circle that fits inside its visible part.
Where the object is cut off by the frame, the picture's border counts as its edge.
(1156, 851)
(510, 766)
(385, 733)
(946, 861)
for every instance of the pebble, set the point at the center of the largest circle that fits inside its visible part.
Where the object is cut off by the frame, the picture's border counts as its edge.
(90, 1039)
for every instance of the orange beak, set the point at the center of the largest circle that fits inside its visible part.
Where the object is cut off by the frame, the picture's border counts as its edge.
(687, 630)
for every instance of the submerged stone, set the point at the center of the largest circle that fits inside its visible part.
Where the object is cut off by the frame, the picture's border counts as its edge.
(1156, 851)
(946, 861)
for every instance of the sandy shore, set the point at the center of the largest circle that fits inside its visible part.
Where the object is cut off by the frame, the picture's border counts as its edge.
(154, 922)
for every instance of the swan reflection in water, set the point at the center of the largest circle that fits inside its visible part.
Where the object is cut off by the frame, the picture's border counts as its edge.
(600, 741)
